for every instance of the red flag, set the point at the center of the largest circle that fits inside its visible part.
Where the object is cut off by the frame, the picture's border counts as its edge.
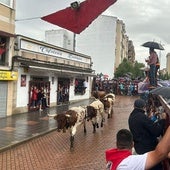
(76, 20)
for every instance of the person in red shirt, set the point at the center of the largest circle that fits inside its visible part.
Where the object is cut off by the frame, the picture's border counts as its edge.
(34, 96)
(121, 158)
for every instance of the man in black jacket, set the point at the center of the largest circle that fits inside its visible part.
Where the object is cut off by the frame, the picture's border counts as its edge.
(145, 132)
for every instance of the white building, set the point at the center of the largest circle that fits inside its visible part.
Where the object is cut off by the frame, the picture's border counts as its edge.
(99, 41)
(104, 40)
(61, 38)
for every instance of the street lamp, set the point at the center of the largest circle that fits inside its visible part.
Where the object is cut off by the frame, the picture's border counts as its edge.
(75, 5)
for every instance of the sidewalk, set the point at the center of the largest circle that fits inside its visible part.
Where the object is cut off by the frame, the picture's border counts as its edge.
(17, 129)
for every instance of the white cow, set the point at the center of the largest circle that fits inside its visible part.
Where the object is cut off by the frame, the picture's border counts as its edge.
(110, 95)
(95, 113)
(108, 101)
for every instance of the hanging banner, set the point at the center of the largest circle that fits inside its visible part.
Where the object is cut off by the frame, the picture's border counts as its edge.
(76, 20)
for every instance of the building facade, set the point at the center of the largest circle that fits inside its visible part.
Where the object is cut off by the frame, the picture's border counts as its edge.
(61, 38)
(99, 41)
(28, 67)
(121, 43)
(8, 76)
(105, 40)
(168, 63)
(55, 71)
(131, 51)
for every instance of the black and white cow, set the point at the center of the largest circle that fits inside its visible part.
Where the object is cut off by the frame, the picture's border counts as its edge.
(71, 119)
(95, 113)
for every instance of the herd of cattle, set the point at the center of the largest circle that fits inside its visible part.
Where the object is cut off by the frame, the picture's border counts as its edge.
(94, 112)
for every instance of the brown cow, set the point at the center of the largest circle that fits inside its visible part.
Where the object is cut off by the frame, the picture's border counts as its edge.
(98, 94)
(72, 118)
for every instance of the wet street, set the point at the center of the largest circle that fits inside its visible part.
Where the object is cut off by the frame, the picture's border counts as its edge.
(52, 150)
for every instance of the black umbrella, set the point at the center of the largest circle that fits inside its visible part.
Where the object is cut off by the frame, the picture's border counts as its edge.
(152, 44)
(163, 91)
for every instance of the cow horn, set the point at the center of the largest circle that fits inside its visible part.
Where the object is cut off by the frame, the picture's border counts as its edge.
(67, 115)
(52, 115)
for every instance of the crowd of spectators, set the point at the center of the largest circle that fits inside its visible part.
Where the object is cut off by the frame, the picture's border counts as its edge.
(119, 86)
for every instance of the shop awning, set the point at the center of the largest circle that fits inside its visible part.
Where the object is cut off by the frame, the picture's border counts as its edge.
(58, 71)
(56, 68)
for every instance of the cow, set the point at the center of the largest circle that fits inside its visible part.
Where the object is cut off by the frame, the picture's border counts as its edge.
(98, 94)
(95, 113)
(110, 95)
(71, 119)
(108, 101)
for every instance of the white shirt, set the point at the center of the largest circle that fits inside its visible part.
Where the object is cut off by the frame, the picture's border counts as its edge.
(85, 84)
(133, 162)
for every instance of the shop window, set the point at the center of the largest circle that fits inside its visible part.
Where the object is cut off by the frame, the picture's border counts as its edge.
(79, 86)
(3, 51)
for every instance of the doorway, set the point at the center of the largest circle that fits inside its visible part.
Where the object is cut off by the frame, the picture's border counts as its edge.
(34, 88)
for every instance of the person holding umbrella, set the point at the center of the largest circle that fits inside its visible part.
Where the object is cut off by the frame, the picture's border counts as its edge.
(152, 61)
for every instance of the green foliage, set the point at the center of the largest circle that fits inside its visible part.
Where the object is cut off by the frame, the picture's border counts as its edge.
(129, 67)
(165, 76)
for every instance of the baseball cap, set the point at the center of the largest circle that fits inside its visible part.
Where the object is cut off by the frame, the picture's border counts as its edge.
(139, 103)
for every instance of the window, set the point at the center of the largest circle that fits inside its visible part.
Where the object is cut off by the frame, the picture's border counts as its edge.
(79, 87)
(4, 41)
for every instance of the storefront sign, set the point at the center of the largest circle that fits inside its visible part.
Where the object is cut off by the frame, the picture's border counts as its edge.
(8, 75)
(29, 46)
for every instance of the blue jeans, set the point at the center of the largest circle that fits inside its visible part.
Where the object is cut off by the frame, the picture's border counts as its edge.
(152, 77)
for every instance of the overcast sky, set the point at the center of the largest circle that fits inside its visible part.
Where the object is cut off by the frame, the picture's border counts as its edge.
(145, 20)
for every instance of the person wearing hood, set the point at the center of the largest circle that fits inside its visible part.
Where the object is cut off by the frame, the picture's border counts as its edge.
(121, 158)
(145, 132)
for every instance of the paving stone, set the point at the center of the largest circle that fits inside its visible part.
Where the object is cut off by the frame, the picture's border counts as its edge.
(51, 151)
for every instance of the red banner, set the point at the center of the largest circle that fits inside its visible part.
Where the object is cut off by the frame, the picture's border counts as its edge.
(76, 20)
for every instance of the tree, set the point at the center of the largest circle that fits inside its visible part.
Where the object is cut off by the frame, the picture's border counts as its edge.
(129, 67)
